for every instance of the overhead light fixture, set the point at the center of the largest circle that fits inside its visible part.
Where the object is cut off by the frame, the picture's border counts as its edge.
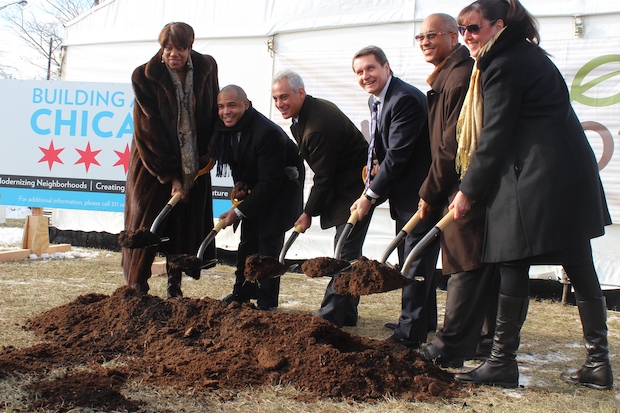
(578, 26)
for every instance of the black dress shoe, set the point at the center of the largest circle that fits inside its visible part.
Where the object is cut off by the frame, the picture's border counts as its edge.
(440, 358)
(233, 298)
(390, 325)
(404, 342)
(264, 308)
(349, 323)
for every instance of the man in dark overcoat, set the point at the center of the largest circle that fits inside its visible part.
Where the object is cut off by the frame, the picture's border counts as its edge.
(267, 167)
(336, 151)
(470, 286)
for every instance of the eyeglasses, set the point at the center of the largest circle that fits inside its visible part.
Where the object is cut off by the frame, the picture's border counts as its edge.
(473, 28)
(430, 36)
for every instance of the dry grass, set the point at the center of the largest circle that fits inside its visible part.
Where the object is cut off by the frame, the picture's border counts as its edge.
(551, 342)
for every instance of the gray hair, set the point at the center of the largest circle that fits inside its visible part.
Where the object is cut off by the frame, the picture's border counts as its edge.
(294, 80)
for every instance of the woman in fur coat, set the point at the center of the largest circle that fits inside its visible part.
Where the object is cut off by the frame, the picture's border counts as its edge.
(174, 114)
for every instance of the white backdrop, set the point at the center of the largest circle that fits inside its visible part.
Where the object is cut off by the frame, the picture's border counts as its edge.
(252, 39)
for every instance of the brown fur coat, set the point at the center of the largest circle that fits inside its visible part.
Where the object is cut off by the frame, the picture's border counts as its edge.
(156, 161)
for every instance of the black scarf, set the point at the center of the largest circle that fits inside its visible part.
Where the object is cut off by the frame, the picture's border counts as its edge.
(221, 148)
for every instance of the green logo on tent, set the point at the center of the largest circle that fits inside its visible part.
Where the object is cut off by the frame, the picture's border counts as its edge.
(578, 89)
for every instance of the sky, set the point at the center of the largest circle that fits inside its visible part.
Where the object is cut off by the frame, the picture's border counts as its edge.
(15, 55)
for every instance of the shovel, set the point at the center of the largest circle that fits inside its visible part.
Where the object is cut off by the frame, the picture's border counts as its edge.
(348, 227)
(263, 267)
(406, 230)
(327, 267)
(427, 239)
(144, 238)
(189, 262)
(291, 239)
(368, 277)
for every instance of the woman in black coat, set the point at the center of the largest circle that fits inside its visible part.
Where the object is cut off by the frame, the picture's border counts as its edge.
(536, 171)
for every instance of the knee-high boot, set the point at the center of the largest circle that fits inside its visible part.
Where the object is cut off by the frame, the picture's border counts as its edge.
(596, 371)
(501, 367)
(174, 282)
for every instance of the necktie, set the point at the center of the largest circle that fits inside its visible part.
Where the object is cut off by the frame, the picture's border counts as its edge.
(371, 146)
(294, 128)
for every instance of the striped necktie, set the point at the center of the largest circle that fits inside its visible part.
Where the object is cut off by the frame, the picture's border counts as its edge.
(371, 146)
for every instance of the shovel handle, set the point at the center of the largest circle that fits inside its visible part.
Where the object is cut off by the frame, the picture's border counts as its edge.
(165, 211)
(175, 199)
(221, 224)
(210, 237)
(299, 229)
(353, 218)
(446, 220)
(427, 239)
(412, 223)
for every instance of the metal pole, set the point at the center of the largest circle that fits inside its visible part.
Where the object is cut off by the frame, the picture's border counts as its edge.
(49, 60)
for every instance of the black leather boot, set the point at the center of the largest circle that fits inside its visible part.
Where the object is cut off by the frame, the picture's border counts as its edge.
(501, 367)
(596, 371)
(174, 283)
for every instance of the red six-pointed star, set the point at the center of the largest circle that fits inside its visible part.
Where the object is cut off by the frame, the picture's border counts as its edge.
(88, 157)
(123, 158)
(51, 155)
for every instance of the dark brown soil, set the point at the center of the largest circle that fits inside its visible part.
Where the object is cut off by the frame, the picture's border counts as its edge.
(139, 238)
(369, 277)
(204, 344)
(323, 266)
(188, 263)
(260, 267)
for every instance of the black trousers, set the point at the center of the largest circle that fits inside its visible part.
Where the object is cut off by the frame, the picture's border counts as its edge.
(576, 260)
(419, 300)
(253, 241)
(342, 309)
(471, 310)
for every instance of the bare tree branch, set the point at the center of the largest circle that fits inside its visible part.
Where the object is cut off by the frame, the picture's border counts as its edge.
(42, 30)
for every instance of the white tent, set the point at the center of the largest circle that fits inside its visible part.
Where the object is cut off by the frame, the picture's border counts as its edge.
(253, 39)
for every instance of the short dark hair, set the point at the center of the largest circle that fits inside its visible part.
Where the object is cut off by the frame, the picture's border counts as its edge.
(179, 34)
(237, 89)
(376, 51)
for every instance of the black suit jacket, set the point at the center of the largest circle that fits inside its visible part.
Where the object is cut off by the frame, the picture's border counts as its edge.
(336, 151)
(403, 151)
(264, 151)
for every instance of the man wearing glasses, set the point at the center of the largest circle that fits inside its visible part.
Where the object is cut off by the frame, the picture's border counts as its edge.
(402, 152)
(469, 285)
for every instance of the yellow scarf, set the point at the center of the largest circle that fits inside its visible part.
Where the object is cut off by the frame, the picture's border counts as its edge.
(469, 125)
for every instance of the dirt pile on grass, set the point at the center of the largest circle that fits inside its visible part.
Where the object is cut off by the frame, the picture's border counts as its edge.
(205, 345)
(369, 277)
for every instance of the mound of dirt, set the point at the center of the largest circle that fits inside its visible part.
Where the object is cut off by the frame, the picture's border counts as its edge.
(323, 266)
(369, 277)
(205, 344)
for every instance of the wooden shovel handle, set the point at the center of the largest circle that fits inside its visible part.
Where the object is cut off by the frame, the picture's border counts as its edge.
(447, 219)
(413, 221)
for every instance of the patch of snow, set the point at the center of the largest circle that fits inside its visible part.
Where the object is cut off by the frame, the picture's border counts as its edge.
(11, 236)
(14, 212)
